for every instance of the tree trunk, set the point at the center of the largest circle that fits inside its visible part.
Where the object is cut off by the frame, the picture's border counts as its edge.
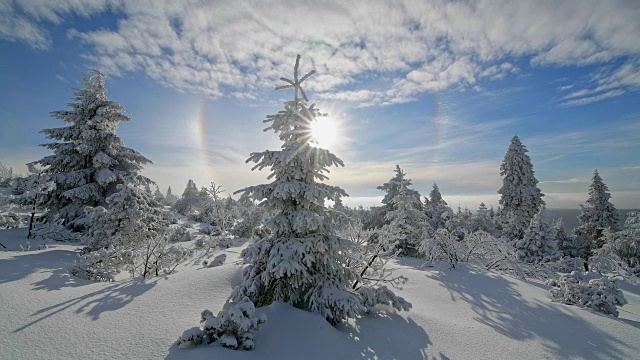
(33, 213)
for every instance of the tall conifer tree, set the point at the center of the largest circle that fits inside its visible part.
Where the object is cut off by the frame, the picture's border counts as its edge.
(521, 198)
(302, 262)
(89, 159)
(597, 214)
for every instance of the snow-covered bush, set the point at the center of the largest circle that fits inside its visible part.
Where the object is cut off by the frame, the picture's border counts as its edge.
(252, 220)
(6, 175)
(10, 221)
(104, 264)
(55, 231)
(179, 234)
(171, 217)
(216, 261)
(601, 295)
(26, 246)
(225, 242)
(162, 259)
(566, 264)
(442, 245)
(368, 252)
(235, 327)
(212, 230)
(625, 243)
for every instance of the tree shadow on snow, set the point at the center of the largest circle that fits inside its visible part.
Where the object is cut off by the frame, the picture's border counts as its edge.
(500, 306)
(385, 334)
(110, 297)
(23, 264)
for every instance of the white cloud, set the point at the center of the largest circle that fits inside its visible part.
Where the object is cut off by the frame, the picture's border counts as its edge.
(410, 47)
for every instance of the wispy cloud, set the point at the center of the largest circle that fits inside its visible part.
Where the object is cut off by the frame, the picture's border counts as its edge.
(234, 48)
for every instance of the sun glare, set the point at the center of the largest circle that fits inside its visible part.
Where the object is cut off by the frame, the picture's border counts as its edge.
(324, 132)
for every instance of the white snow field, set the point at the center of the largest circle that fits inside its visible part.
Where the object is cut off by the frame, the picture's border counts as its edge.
(467, 313)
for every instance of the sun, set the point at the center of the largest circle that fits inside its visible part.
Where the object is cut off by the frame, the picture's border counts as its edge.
(324, 132)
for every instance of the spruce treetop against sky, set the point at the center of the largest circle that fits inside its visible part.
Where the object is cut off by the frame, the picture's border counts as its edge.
(437, 87)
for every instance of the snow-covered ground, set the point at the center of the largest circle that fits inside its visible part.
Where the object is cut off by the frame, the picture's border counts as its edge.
(467, 313)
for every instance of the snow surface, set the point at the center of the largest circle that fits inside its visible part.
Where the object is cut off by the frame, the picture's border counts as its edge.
(467, 313)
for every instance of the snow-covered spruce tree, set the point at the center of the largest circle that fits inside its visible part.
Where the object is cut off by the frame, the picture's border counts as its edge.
(482, 220)
(392, 188)
(435, 207)
(35, 189)
(625, 243)
(130, 217)
(569, 245)
(170, 199)
(597, 214)
(301, 262)
(189, 200)
(6, 175)
(520, 197)
(408, 220)
(129, 234)
(158, 196)
(539, 243)
(89, 159)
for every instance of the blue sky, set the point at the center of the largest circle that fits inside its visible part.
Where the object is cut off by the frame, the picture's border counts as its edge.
(438, 87)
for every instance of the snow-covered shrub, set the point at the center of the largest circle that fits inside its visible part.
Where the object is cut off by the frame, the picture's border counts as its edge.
(252, 220)
(171, 217)
(225, 242)
(566, 264)
(217, 261)
(179, 234)
(606, 262)
(442, 245)
(6, 175)
(208, 242)
(368, 252)
(212, 230)
(104, 264)
(601, 295)
(10, 221)
(625, 243)
(167, 258)
(235, 327)
(26, 246)
(55, 231)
